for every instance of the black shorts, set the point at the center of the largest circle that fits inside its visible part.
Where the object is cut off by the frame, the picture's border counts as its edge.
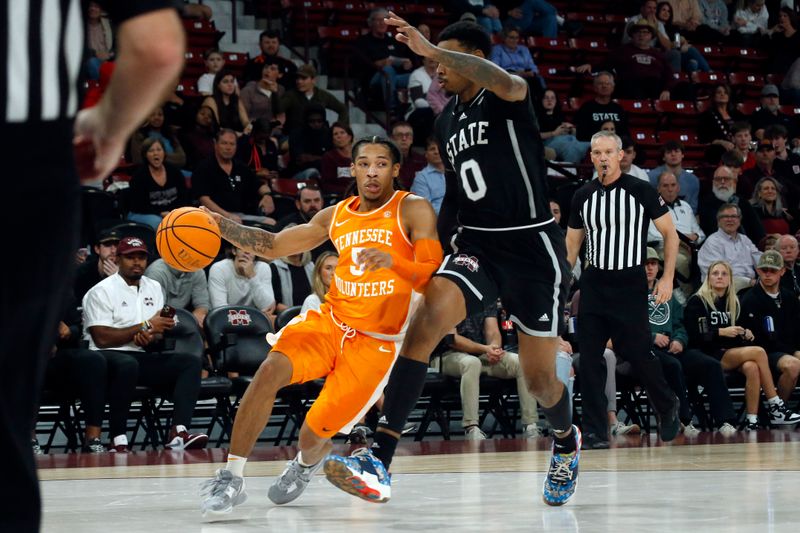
(773, 358)
(527, 269)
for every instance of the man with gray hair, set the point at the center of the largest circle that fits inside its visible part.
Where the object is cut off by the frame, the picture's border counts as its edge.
(594, 113)
(727, 244)
(787, 246)
(723, 191)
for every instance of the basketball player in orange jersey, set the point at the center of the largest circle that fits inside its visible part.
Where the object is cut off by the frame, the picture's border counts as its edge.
(388, 250)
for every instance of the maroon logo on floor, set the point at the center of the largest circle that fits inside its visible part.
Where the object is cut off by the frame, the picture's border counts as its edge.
(239, 317)
(468, 261)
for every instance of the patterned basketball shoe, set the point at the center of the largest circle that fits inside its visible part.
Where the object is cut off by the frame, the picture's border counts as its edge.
(360, 474)
(562, 477)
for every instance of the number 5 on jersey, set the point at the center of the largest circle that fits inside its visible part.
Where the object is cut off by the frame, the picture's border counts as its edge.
(355, 268)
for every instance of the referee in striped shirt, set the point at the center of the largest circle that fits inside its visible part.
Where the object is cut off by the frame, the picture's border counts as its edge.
(612, 213)
(42, 49)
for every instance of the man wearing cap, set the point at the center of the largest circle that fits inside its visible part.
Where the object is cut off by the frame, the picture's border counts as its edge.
(788, 248)
(100, 265)
(669, 344)
(769, 113)
(122, 318)
(727, 244)
(772, 313)
(647, 12)
(305, 92)
(642, 71)
(672, 156)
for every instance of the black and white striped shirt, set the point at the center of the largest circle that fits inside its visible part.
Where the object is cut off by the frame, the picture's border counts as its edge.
(42, 48)
(616, 219)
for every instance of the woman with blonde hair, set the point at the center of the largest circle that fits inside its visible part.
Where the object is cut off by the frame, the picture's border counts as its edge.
(768, 204)
(710, 319)
(321, 280)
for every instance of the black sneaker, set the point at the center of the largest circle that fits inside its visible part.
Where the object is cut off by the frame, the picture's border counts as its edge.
(37, 450)
(780, 415)
(93, 446)
(751, 426)
(358, 435)
(668, 423)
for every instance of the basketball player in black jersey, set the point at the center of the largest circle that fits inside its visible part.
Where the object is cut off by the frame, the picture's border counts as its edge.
(507, 245)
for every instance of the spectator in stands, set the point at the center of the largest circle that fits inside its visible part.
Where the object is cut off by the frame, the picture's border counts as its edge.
(557, 133)
(101, 264)
(788, 248)
(769, 241)
(716, 26)
(723, 191)
(156, 187)
(389, 66)
(685, 223)
(335, 173)
(260, 150)
(661, 39)
(291, 279)
(413, 162)
(321, 279)
(771, 313)
(214, 61)
(182, 290)
(691, 58)
(308, 203)
(728, 245)
(627, 165)
(716, 123)
(477, 348)
(788, 188)
(512, 57)
(308, 143)
(228, 109)
(786, 163)
(241, 279)
(537, 17)
(437, 97)
(306, 93)
(156, 128)
(199, 139)
(99, 40)
(672, 155)
(420, 114)
(784, 42)
(668, 341)
(743, 144)
(262, 98)
(769, 113)
(486, 14)
(686, 15)
(751, 22)
(593, 113)
(769, 205)
(642, 71)
(122, 317)
(429, 182)
(226, 186)
(710, 317)
(270, 44)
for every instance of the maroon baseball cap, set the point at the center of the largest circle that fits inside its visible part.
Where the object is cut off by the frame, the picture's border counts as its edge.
(131, 245)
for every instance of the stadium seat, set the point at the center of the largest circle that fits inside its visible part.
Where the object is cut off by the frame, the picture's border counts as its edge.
(641, 114)
(745, 85)
(286, 316)
(676, 115)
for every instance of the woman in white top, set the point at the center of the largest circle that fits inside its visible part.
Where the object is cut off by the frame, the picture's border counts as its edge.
(320, 280)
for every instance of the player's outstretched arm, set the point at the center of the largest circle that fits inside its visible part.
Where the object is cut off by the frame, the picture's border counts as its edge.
(474, 67)
(268, 245)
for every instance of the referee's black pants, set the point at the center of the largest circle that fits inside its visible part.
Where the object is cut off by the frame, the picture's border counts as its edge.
(613, 305)
(39, 217)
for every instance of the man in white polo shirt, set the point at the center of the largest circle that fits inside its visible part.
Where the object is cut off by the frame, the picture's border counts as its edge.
(122, 318)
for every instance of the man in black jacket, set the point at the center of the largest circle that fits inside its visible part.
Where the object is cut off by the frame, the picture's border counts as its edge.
(773, 315)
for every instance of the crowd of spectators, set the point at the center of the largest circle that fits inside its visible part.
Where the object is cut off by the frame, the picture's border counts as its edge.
(737, 221)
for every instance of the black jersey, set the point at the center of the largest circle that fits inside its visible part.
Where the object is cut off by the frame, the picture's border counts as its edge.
(616, 218)
(494, 150)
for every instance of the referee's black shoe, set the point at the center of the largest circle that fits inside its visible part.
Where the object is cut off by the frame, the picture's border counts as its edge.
(668, 423)
(593, 441)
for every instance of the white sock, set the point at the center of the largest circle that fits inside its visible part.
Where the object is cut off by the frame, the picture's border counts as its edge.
(752, 419)
(180, 428)
(236, 465)
(121, 440)
(775, 400)
(300, 460)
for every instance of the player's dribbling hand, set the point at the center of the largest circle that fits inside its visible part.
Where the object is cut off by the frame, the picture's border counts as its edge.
(410, 36)
(371, 259)
(663, 291)
(213, 214)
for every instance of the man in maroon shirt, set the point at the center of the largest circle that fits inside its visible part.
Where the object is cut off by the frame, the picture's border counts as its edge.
(642, 71)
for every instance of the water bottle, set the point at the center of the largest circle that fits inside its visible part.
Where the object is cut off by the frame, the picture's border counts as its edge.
(769, 326)
(702, 327)
(677, 40)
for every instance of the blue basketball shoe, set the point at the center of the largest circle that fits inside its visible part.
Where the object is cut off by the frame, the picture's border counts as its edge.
(562, 476)
(360, 474)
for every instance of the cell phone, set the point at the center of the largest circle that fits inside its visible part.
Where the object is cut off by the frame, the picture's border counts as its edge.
(168, 311)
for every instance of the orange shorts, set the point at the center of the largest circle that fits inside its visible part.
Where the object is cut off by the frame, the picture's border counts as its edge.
(356, 368)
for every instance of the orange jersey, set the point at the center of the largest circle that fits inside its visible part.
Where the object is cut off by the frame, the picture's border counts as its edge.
(378, 302)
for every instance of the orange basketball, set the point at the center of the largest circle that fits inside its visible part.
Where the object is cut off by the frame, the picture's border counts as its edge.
(188, 239)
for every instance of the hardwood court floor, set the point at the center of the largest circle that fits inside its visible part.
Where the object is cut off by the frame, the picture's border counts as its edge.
(745, 483)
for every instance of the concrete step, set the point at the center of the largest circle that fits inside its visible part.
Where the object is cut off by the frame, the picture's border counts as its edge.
(367, 130)
(357, 115)
(224, 7)
(243, 22)
(338, 94)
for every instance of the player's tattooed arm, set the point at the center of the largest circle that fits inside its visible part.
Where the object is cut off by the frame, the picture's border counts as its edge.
(253, 240)
(484, 73)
